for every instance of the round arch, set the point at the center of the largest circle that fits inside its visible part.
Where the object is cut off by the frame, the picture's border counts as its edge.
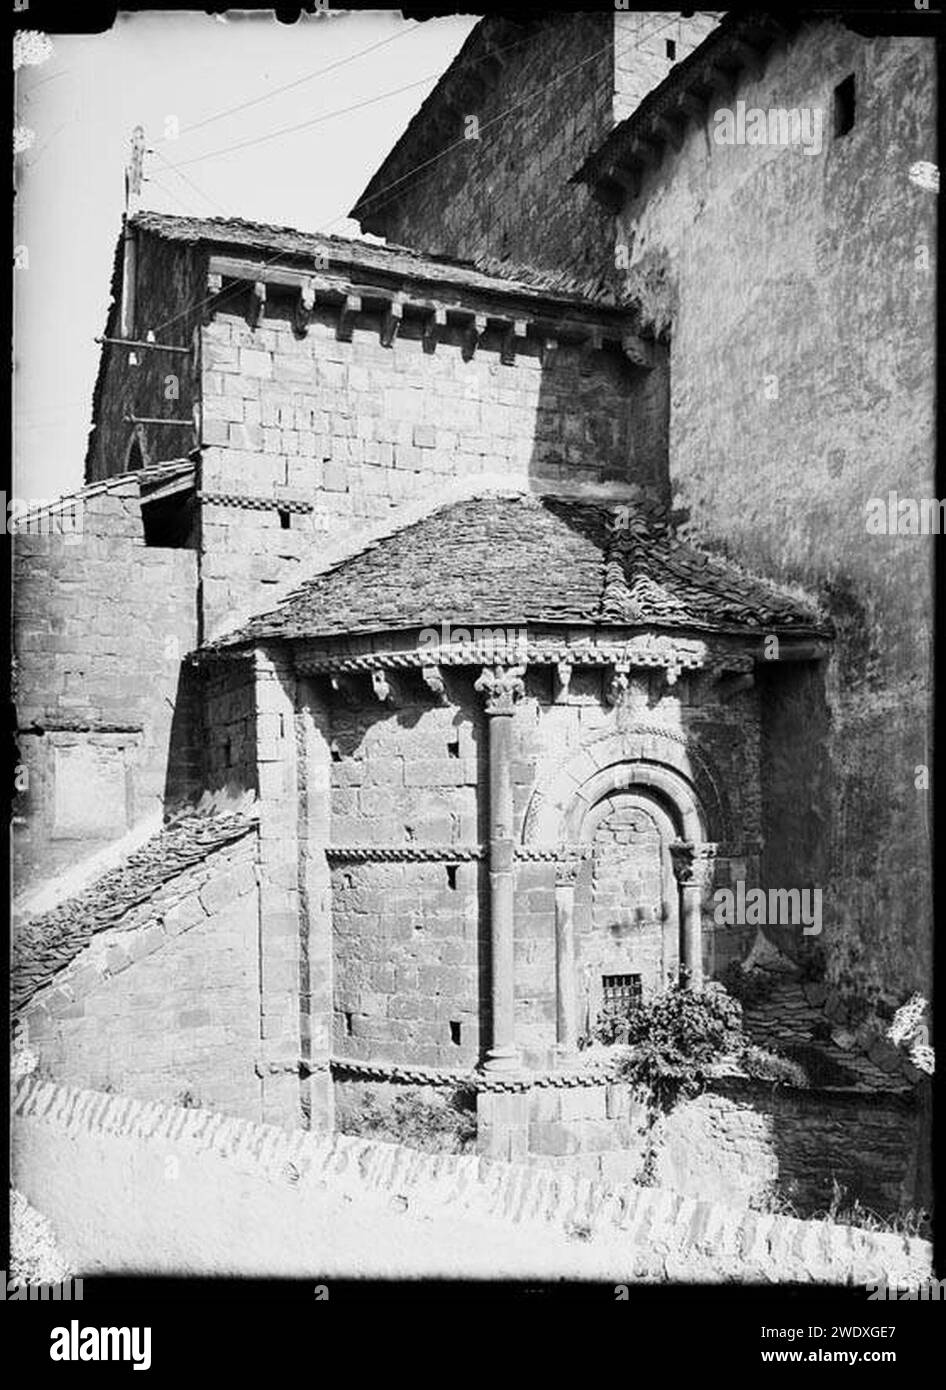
(643, 756)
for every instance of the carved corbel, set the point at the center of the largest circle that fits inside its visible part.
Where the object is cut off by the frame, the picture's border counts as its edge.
(391, 322)
(257, 303)
(435, 321)
(432, 677)
(563, 676)
(472, 335)
(514, 338)
(304, 307)
(618, 684)
(637, 351)
(349, 311)
(380, 685)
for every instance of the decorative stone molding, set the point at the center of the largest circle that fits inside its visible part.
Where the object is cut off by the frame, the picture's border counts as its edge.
(263, 504)
(550, 854)
(501, 686)
(637, 744)
(593, 1074)
(646, 651)
(402, 854)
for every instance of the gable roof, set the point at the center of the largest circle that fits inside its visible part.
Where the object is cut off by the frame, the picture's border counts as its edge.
(532, 559)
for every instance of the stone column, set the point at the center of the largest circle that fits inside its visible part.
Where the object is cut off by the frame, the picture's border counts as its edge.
(501, 687)
(693, 867)
(566, 1022)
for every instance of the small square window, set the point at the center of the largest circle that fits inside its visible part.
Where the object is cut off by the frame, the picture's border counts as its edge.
(285, 518)
(844, 106)
(621, 994)
(672, 50)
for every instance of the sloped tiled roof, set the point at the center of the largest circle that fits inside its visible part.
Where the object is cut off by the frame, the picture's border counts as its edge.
(793, 1022)
(485, 274)
(529, 559)
(45, 944)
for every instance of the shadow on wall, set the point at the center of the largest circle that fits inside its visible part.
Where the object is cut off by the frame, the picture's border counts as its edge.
(600, 418)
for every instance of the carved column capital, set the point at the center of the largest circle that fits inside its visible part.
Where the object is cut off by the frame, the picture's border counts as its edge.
(501, 686)
(566, 870)
(693, 862)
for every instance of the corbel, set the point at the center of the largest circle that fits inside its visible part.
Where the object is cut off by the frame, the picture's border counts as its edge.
(562, 680)
(548, 350)
(350, 309)
(618, 684)
(514, 337)
(472, 335)
(391, 321)
(432, 677)
(257, 302)
(434, 322)
(304, 307)
(636, 350)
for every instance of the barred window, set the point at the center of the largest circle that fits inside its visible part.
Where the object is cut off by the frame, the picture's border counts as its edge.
(622, 993)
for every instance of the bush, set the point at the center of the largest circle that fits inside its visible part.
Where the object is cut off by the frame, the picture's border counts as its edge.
(763, 1065)
(674, 1038)
(750, 987)
(435, 1126)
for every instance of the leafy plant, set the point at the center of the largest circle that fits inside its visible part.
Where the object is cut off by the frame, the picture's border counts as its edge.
(750, 987)
(763, 1065)
(672, 1039)
(435, 1126)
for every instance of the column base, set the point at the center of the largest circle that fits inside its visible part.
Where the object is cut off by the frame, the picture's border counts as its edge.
(501, 1059)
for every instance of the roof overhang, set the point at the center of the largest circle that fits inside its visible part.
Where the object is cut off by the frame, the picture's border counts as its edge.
(737, 49)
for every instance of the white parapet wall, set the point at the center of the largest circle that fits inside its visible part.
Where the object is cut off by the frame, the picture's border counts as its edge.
(135, 1186)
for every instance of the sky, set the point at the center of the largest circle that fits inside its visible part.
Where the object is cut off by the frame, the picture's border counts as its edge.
(180, 76)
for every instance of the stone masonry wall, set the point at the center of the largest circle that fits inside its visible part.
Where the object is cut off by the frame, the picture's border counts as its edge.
(101, 622)
(798, 290)
(506, 194)
(739, 1142)
(325, 437)
(550, 733)
(411, 971)
(408, 934)
(235, 1181)
(163, 385)
(165, 1005)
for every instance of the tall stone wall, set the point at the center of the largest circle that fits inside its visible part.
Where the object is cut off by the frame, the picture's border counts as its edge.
(101, 623)
(156, 385)
(501, 187)
(409, 888)
(407, 929)
(560, 740)
(309, 439)
(165, 1005)
(798, 292)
